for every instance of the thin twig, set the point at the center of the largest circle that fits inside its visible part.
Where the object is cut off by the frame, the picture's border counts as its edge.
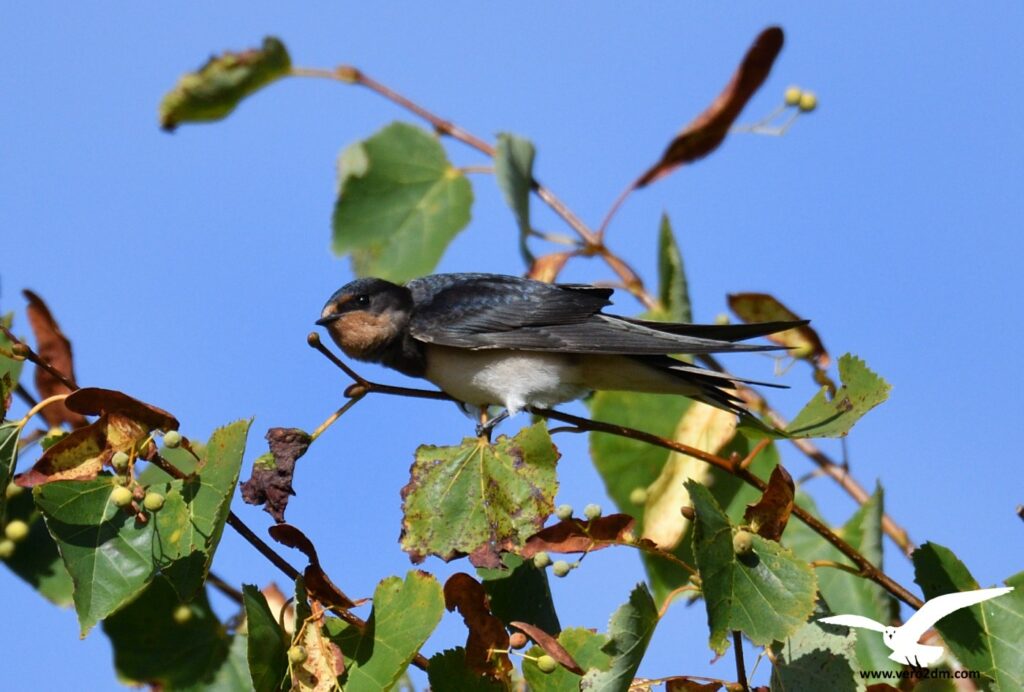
(741, 668)
(225, 588)
(867, 569)
(25, 395)
(24, 350)
(836, 565)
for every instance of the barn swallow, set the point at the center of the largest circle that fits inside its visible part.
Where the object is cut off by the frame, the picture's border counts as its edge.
(495, 340)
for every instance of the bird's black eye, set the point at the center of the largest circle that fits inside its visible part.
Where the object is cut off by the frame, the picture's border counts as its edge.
(361, 301)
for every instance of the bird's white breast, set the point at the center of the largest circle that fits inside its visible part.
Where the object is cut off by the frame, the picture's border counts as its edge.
(513, 379)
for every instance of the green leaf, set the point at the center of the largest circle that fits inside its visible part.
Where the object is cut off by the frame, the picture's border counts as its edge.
(519, 592)
(479, 497)
(212, 92)
(767, 594)
(845, 592)
(513, 169)
(629, 631)
(8, 366)
(191, 522)
(626, 465)
(673, 291)
(155, 645)
(816, 659)
(232, 675)
(401, 202)
(862, 390)
(108, 554)
(986, 636)
(9, 434)
(35, 558)
(585, 647)
(404, 614)
(448, 673)
(267, 652)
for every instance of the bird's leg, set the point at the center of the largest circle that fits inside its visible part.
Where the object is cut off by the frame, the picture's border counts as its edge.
(486, 425)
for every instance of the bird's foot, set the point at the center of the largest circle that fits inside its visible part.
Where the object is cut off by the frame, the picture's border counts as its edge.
(486, 425)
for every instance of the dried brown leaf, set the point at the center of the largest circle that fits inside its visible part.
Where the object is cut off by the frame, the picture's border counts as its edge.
(762, 307)
(768, 516)
(94, 401)
(78, 456)
(270, 483)
(318, 583)
(486, 632)
(54, 348)
(685, 684)
(709, 129)
(548, 267)
(320, 671)
(550, 645)
(576, 536)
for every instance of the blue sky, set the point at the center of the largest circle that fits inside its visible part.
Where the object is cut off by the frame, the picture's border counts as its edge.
(188, 268)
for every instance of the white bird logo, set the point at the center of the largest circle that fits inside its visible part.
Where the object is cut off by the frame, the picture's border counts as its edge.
(903, 640)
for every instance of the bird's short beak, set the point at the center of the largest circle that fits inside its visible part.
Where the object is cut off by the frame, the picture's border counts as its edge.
(324, 321)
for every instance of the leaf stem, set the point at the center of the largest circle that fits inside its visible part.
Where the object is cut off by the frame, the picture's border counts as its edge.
(39, 407)
(741, 668)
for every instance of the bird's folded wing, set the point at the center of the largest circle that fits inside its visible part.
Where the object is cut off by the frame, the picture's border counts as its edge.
(941, 606)
(853, 621)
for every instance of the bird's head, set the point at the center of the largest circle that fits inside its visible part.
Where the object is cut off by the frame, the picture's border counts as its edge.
(367, 316)
(888, 634)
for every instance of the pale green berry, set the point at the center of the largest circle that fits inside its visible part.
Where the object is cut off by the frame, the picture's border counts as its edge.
(172, 438)
(182, 614)
(592, 511)
(13, 490)
(120, 462)
(297, 654)
(121, 496)
(742, 543)
(6, 548)
(561, 568)
(547, 664)
(793, 95)
(564, 511)
(16, 530)
(153, 501)
(541, 560)
(638, 496)
(808, 102)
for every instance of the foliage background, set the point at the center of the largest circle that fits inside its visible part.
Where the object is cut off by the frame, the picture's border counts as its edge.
(188, 268)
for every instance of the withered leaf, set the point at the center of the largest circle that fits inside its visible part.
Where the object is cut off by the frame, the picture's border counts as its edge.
(486, 632)
(78, 456)
(548, 267)
(54, 348)
(550, 645)
(576, 536)
(318, 583)
(768, 516)
(708, 131)
(270, 483)
(762, 307)
(94, 401)
(685, 684)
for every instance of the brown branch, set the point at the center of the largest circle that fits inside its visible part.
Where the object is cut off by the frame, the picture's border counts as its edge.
(20, 348)
(224, 587)
(829, 467)
(741, 668)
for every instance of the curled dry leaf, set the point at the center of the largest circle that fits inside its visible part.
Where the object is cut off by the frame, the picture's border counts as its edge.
(486, 632)
(548, 267)
(575, 536)
(78, 456)
(708, 131)
(684, 684)
(94, 401)
(762, 307)
(270, 483)
(54, 348)
(318, 583)
(550, 645)
(324, 660)
(768, 516)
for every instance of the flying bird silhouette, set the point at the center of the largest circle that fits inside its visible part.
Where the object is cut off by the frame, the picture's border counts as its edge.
(903, 640)
(496, 340)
